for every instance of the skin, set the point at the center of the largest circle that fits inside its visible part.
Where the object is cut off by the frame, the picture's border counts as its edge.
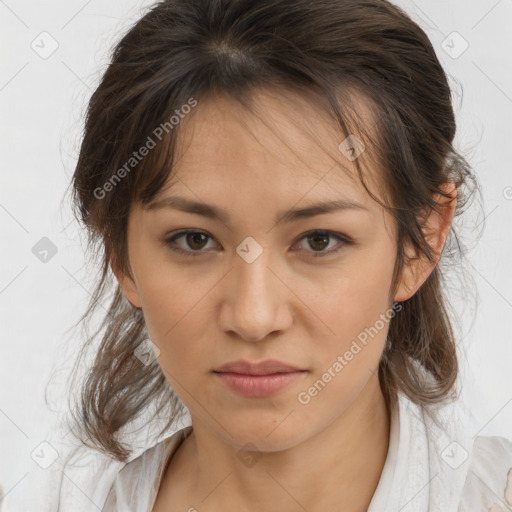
(204, 311)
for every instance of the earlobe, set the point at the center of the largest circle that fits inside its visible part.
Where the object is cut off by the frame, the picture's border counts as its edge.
(408, 284)
(437, 226)
(128, 286)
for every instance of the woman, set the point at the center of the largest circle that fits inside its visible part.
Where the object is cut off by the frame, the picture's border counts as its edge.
(272, 184)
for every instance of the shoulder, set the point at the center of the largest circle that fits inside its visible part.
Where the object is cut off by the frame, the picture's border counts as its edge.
(488, 483)
(136, 485)
(77, 477)
(62, 473)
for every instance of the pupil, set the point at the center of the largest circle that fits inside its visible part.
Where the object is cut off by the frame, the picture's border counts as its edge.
(192, 236)
(323, 237)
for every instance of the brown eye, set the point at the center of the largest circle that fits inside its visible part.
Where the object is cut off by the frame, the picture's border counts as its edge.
(318, 241)
(195, 241)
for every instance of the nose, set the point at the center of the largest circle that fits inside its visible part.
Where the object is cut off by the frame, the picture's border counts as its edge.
(255, 301)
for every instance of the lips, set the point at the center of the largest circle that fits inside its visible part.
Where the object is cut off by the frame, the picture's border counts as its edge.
(258, 380)
(267, 367)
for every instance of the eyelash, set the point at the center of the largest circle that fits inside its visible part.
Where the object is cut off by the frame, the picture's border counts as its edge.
(345, 241)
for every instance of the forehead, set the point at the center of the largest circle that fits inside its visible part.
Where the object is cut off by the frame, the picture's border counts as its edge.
(281, 145)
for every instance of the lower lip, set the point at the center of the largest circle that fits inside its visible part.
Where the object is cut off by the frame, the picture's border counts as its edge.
(258, 385)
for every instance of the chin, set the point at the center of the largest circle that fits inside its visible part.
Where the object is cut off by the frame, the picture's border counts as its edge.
(273, 435)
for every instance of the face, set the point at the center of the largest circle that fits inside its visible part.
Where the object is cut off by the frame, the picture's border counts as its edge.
(255, 284)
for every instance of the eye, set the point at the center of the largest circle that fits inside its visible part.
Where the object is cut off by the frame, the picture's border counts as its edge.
(194, 239)
(317, 239)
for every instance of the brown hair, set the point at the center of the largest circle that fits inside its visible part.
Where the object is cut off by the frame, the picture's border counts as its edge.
(183, 51)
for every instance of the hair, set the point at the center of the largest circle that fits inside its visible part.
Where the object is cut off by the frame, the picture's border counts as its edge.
(331, 52)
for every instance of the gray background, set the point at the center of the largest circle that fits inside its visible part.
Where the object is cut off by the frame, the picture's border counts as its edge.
(42, 99)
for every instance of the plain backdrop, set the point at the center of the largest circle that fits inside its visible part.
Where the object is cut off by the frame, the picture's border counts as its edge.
(53, 54)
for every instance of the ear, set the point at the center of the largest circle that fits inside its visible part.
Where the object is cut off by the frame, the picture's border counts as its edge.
(435, 231)
(128, 286)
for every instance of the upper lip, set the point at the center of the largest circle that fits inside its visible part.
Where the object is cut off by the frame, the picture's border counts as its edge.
(266, 367)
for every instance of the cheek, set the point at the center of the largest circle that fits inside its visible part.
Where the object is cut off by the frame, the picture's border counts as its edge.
(169, 292)
(356, 312)
(359, 315)
(178, 318)
(185, 349)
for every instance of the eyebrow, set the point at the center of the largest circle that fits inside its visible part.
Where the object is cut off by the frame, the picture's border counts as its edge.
(213, 212)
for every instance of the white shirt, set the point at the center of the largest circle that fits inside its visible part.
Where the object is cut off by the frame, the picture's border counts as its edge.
(429, 468)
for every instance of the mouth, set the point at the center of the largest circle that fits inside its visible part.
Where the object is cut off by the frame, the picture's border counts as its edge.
(258, 379)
